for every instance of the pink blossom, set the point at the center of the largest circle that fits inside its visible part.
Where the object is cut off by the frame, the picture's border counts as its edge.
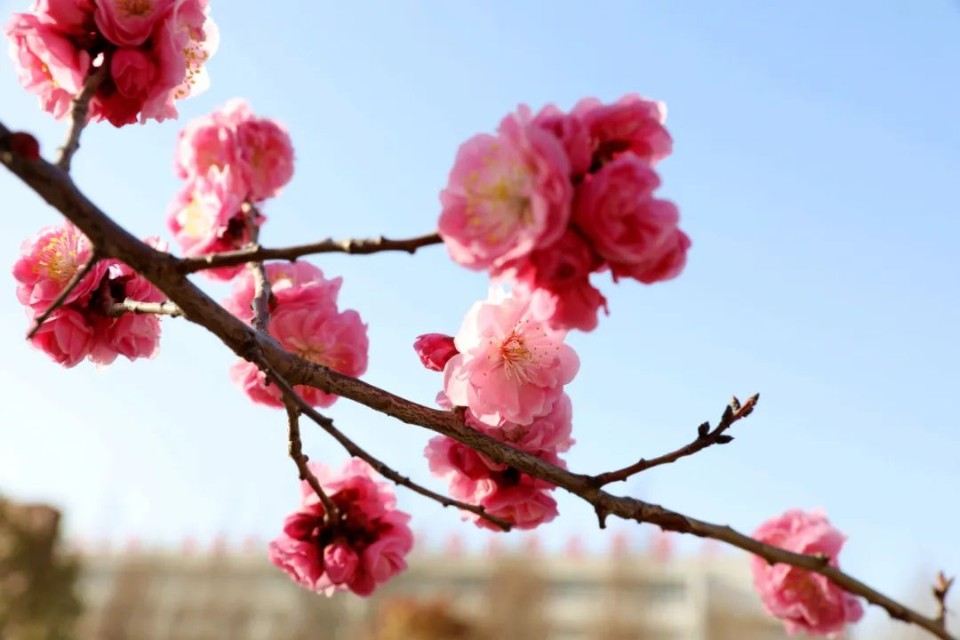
(627, 226)
(557, 280)
(549, 433)
(511, 366)
(130, 335)
(73, 17)
(362, 549)
(266, 156)
(205, 142)
(133, 74)
(435, 350)
(503, 491)
(128, 23)
(806, 602)
(308, 326)
(47, 263)
(48, 63)
(66, 337)
(572, 133)
(507, 194)
(632, 124)
(287, 280)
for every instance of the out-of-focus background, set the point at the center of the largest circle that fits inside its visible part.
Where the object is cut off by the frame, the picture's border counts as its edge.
(815, 165)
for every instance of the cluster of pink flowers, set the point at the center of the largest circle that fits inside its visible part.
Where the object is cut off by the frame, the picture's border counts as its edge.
(305, 320)
(557, 196)
(807, 602)
(362, 547)
(231, 160)
(508, 368)
(154, 52)
(84, 326)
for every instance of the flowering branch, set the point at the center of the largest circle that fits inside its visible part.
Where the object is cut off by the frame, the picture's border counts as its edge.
(325, 423)
(295, 449)
(65, 293)
(166, 272)
(152, 308)
(78, 115)
(357, 246)
(705, 438)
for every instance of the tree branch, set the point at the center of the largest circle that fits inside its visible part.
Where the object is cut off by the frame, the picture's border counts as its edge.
(65, 293)
(940, 591)
(354, 246)
(78, 115)
(261, 284)
(295, 449)
(163, 270)
(705, 438)
(166, 308)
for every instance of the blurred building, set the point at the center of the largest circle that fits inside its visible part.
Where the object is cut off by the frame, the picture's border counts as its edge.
(519, 595)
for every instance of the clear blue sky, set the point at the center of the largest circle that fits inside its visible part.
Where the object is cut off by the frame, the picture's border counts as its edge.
(816, 166)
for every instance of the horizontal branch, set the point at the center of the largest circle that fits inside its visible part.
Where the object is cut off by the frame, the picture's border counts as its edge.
(111, 240)
(165, 308)
(705, 438)
(357, 246)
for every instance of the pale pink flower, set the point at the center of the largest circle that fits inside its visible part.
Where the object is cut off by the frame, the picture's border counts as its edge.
(128, 23)
(362, 549)
(635, 232)
(48, 63)
(557, 280)
(287, 280)
(572, 133)
(806, 602)
(632, 124)
(549, 433)
(205, 142)
(507, 194)
(435, 350)
(308, 326)
(266, 156)
(504, 492)
(511, 366)
(66, 337)
(47, 263)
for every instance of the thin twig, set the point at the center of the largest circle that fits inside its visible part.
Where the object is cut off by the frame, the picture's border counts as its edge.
(295, 449)
(940, 591)
(165, 308)
(325, 423)
(65, 293)
(78, 115)
(356, 246)
(261, 284)
(705, 438)
(162, 270)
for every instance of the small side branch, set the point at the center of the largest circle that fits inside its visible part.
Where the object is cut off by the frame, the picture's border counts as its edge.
(166, 308)
(63, 295)
(705, 438)
(940, 591)
(295, 449)
(356, 246)
(79, 110)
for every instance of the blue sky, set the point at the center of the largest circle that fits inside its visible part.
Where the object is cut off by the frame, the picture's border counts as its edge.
(815, 166)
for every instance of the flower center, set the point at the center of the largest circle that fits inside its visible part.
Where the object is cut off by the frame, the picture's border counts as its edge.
(194, 220)
(517, 358)
(58, 260)
(135, 8)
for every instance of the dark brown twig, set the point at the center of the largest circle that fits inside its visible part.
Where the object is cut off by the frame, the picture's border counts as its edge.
(166, 308)
(295, 449)
(705, 438)
(65, 293)
(940, 591)
(356, 246)
(162, 269)
(79, 109)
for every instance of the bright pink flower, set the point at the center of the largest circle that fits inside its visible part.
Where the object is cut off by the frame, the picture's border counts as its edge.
(48, 261)
(362, 549)
(503, 491)
(130, 335)
(266, 156)
(628, 227)
(312, 328)
(632, 124)
(66, 337)
(572, 133)
(48, 63)
(557, 280)
(507, 194)
(511, 366)
(205, 142)
(133, 74)
(128, 23)
(806, 602)
(547, 434)
(435, 350)
(73, 17)
(287, 280)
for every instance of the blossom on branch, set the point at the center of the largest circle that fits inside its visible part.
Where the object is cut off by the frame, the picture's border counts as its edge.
(807, 602)
(358, 548)
(435, 350)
